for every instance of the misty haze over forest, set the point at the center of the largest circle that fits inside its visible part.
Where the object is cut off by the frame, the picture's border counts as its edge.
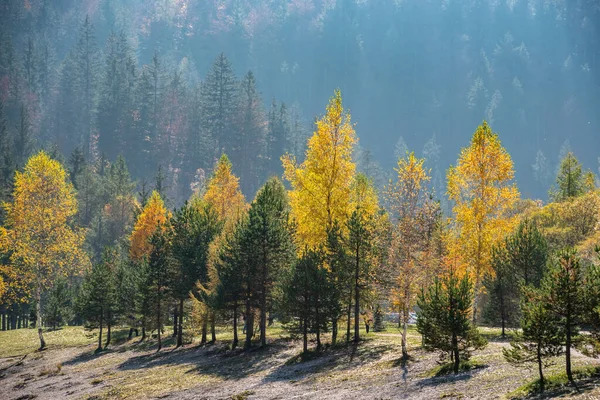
(406, 68)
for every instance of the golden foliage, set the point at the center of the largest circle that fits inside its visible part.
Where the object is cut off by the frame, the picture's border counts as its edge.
(481, 187)
(322, 184)
(223, 193)
(39, 234)
(153, 215)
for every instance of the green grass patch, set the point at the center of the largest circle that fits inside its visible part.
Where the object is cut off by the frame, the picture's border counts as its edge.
(242, 396)
(448, 368)
(555, 382)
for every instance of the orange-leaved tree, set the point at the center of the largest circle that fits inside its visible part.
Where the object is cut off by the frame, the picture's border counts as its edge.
(40, 234)
(152, 216)
(321, 185)
(481, 186)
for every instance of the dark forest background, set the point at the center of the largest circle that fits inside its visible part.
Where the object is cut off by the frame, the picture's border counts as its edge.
(170, 84)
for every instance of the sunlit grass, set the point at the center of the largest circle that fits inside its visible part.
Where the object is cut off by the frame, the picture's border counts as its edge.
(19, 342)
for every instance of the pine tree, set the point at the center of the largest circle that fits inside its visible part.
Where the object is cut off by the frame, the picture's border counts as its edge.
(541, 337)
(97, 300)
(569, 180)
(58, 307)
(219, 101)
(563, 287)
(195, 225)
(443, 318)
(158, 278)
(269, 244)
(23, 142)
(503, 288)
(305, 298)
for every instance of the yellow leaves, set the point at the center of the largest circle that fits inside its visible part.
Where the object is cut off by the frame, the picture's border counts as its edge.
(480, 185)
(223, 193)
(39, 235)
(322, 184)
(153, 215)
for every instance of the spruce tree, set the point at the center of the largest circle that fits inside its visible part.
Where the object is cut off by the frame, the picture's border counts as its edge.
(563, 287)
(269, 245)
(569, 180)
(503, 290)
(97, 299)
(541, 337)
(195, 225)
(444, 318)
(59, 307)
(527, 251)
(158, 279)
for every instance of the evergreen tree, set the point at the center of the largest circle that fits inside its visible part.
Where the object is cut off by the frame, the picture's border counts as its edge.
(569, 180)
(592, 306)
(503, 290)
(158, 278)
(23, 142)
(277, 134)
(305, 298)
(541, 336)
(7, 162)
(58, 307)
(444, 318)
(76, 165)
(563, 287)
(219, 101)
(269, 245)
(195, 225)
(527, 250)
(97, 301)
(341, 278)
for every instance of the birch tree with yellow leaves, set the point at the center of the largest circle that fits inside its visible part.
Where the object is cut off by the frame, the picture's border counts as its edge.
(414, 215)
(482, 188)
(39, 230)
(321, 185)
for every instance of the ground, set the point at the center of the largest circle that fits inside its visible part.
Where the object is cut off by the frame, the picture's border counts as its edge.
(373, 369)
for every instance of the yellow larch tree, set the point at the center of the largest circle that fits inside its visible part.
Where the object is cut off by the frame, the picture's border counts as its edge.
(224, 195)
(482, 188)
(40, 234)
(321, 185)
(414, 215)
(152, 216)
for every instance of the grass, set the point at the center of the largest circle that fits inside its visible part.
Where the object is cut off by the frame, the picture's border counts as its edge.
(448, 368)
(20, 342)
(556, 382)
(242, 396)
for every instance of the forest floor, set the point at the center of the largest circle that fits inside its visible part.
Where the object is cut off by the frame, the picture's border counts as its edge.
(372, 369)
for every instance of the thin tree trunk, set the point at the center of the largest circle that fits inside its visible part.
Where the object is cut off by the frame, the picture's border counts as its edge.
(180, 327)
(158, 323)
(213, 331)
(235, 328)
(456, 353)
(568, 351)
(100, 336)
(175, 321)
(349, 322)
(204, 329)
(249, 325)
(108, 329)
(263, 320)
(38, 310)
(356, 300)
(404, 332)
(318, 320)
(539, 360)
(304, 335)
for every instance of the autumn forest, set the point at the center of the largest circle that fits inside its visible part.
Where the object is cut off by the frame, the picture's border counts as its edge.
(172, 220)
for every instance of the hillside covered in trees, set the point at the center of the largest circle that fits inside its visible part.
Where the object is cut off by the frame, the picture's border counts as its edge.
(156, 197)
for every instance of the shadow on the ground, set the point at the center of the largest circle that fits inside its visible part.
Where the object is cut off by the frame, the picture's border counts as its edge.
(437, 380)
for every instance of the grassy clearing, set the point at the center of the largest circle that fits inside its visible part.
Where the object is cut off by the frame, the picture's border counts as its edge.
(558, 383)
(20, 342)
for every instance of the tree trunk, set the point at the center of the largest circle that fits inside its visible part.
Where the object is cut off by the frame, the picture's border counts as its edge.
(539, 360)
(456, 353)
(304, 335)
(404, 332)
(108, 326)
(568, 351)
(204, 329)
(249, 325)
(213, 331)
(334, 330)
(349, 322)
(158, 324)
(175, 321)
(502, 315)
(38, 310)
(143, 331)
(318, 321)
(235, 328)
(356, 306)
(263, 319)
(180, 327)
(100, 337)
